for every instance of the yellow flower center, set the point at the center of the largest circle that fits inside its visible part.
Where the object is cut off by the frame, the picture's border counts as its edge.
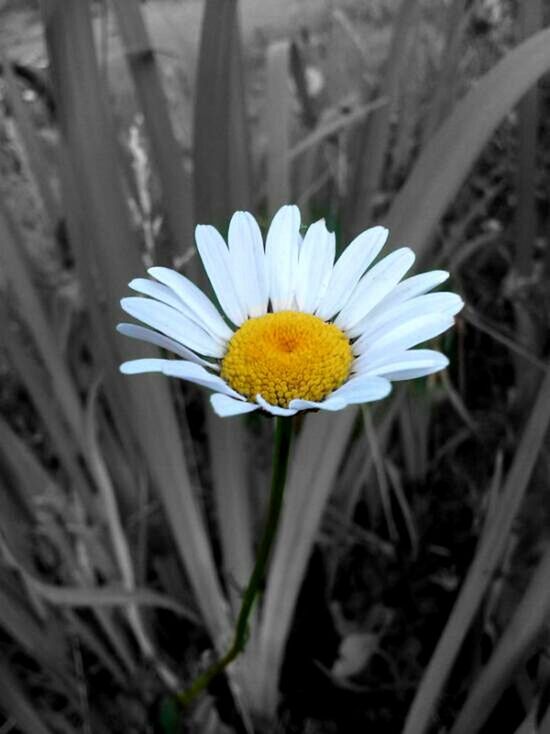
(287, 355)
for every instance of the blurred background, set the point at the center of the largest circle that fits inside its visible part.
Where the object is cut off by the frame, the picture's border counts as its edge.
(409, 589)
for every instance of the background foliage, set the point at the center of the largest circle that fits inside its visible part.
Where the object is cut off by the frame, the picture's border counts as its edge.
(410, 585)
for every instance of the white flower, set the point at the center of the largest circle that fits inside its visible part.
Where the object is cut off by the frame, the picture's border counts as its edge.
(298, 330)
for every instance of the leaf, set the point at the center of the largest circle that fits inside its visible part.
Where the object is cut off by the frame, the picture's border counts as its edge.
(314, 465)
(221, 147)
(484, 565)
(166, 155)
(277, 125)
(107, 259)
(446, 160)
(515, 646)
(375, 134)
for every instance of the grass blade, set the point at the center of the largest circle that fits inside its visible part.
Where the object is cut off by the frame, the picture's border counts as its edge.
(107, 258)
(314, 465)
(166, 155)
(529, 621)
(277, 125)
(228, 456)
(374, 138)
(485, 563)
(446, 160)
(221, 144)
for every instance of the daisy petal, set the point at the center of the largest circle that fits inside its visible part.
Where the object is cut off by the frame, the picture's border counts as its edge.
(215, 258)
(139, 366)
(315, 265)
(411, 287)
(362, 389)
(349, 268)
(405, 366)
(403, 337)
(373, 286)
(281, 252)
(153, 337)
(273, 409)
(197, 374)
(199, 307)
(331, 404)
(444, 304)
(225, 406)
(247, 259)
(159, 292)
(173, 324)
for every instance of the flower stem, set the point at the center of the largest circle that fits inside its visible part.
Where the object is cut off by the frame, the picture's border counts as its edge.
(283, 434)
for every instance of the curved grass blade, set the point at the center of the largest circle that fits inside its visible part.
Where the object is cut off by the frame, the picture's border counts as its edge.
(446, 160)
(485, 563)
(528, 623)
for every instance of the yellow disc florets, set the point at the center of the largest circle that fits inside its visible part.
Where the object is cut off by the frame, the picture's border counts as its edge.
(287, 355)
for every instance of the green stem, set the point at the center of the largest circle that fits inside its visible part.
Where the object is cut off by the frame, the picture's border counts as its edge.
(283, 433)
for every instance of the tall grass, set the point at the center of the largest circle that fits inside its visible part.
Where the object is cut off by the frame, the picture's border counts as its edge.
(130, 513)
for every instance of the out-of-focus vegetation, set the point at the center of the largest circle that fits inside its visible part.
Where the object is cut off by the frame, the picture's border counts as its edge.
(409, 589)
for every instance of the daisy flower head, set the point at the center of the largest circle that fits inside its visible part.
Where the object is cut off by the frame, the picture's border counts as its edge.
(295, 330)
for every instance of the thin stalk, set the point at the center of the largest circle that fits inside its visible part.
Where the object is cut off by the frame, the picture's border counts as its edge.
(283, 433)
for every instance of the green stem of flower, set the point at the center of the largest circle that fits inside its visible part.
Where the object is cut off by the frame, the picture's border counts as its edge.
(283, 434)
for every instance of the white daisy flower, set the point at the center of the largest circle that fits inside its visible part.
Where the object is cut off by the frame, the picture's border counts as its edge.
(298, 331)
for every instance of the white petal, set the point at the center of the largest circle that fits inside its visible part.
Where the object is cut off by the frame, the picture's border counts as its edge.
(225, 406)
(409, 288)
(331, 404)
(247, 259)
(196, 373)
(403, 337)
(139, 366)
(273, 409)
(183, 370)
(153, 337)
(315, 265)
(362, 389)
(372, 327)
(281, 252)
(199, 307)
(215, 258)
(405, 366)
(373, 286)
(158, 291)
(173, 324)
(349, 268)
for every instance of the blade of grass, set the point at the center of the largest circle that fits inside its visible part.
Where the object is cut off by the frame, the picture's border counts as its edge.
(516, 644)
(484, 565)
(221, 141)
(444, 163)
(529, 22)
(166, 155)
(107, 258)
(277, 125)
(526, 215)
(228, 456)
(313, 468)
(120, 545)
(446, 82)
(334, 126)
(375, 135)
